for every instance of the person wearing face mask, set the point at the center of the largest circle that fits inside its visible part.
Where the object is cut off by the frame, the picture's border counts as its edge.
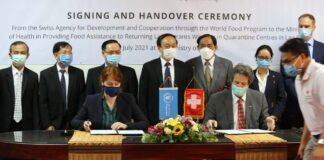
(269, 82)
(309, 85)
(18, 92)
(111, 108)
(292, 116)
(165, 71)
(61, 89)
(111, 52)
(239, 107)
(213, 73)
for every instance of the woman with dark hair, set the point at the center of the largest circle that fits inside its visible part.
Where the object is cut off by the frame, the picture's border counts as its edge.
(269, 82)
(110, 109)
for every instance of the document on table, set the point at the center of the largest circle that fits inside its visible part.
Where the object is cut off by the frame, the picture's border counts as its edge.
(99, 132)
(112, 132)
(244, 131)
(131, 132)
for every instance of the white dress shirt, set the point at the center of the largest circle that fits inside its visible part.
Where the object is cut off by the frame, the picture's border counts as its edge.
(235, 109)
(310, 92)
(211, 66)
(262, 83)
(17, 78)
(310, 44)
(171, 69)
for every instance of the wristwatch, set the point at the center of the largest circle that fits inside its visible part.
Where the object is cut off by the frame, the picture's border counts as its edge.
(320, 141)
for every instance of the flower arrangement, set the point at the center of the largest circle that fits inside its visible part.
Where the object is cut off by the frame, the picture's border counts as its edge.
(179, 130)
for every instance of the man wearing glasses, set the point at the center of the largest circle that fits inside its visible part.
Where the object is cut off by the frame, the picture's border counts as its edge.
(309, 85)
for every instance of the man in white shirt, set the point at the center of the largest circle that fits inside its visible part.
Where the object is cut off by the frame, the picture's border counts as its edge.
(18, 92)
(310, 90)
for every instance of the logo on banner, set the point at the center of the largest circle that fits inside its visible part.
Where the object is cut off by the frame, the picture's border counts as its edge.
(194, 103)
(168, 103)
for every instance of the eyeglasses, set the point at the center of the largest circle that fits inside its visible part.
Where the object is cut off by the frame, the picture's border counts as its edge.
(289, 61)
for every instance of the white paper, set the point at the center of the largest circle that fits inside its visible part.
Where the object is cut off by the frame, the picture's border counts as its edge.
(131, 132)
(232, 131)
(244, 131)
(257, 131)
(103, 132)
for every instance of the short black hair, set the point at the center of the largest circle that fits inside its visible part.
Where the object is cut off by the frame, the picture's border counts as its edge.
(58, 45)
(161, 37)
(207, 35)
(18, 43)
(295, 46)
(104, 44)
(262, 47)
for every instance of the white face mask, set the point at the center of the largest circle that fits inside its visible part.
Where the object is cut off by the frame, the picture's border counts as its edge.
(169, 53)
(206, 53)
(305, 33)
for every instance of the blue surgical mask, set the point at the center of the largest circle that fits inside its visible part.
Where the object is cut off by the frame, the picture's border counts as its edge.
(113, 59)
(66, 59)
(305, 33)
(111, 91)
(291, 70)
(238, 91)
(18, 60)
(263, 63)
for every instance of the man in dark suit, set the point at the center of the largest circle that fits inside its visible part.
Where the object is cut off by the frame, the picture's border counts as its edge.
(292, 116)
(18, 92)
(111, 52)
(61, 90)
(240, 107)
(213, 73)
(164, 71)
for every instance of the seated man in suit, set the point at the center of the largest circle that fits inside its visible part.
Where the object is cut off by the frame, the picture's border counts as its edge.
(269, 82)
(111, 52)
(18, 92)
(240, 107)
(164, 71)
(110, 109)
(292, 116)
(61, 89)
(213, 73)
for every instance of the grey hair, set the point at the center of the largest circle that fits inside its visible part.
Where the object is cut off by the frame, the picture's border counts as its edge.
(245, 70)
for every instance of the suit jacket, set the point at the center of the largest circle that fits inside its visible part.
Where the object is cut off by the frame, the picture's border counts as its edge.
(129, 83)
(292, 116)
(150, 81)
(127, 112)
(52, 106)
(222, 74)
(220, 108)
(30, 112)
(274, 92)
(318, 52)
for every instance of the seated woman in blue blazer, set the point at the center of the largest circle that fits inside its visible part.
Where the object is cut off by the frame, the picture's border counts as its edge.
(110, 109)
(269, 82)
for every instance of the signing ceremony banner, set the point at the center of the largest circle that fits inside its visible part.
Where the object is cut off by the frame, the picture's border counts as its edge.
(240, 26)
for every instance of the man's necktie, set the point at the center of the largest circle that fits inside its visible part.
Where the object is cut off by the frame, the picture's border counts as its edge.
(241, 117)
(17, 111)
(63, 87)
(167, 75)
(208, 77)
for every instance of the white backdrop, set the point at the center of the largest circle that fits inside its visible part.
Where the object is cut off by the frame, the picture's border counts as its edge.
(239, 25)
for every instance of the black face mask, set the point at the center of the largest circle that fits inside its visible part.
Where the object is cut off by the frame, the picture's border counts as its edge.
(111, 91)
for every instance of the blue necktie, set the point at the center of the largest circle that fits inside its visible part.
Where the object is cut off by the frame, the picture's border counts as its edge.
(167, 76)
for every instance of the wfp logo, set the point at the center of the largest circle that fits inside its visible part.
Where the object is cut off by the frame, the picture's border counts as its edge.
(167, 97)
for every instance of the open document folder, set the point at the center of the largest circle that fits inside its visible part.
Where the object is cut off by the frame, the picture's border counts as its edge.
(244, 131)
(112, 132)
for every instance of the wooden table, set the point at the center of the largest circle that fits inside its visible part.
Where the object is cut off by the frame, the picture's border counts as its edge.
(53, 145)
